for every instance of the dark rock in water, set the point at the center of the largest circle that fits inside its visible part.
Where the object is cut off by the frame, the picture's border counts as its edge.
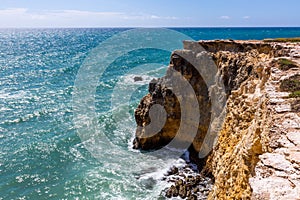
(195, 190)
(137, 78)
(188, 193)
(140, 174)
(182, 175)
(152, 85)
(182, 192)
(175, 192)
(173, 170)
(148, 183)
(198, 179)
(169, 193)
(192, 197)
(179, 183)
(187, 183)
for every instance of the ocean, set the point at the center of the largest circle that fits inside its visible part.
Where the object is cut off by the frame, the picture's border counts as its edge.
(42, 155)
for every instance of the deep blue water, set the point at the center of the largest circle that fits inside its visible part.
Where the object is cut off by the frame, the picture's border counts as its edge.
(41, 154)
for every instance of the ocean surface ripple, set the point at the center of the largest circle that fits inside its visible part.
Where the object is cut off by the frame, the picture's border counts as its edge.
(41, 155)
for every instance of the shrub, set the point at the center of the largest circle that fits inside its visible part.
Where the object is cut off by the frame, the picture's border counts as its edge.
(285, 64)
(291, 84)
(295, 94)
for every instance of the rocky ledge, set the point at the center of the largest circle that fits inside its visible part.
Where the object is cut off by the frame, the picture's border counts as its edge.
(256, 152)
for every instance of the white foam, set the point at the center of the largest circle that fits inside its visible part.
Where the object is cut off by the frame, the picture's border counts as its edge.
(16, 95)
(4, 109)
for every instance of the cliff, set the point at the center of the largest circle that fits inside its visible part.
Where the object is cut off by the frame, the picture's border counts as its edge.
(248, 99)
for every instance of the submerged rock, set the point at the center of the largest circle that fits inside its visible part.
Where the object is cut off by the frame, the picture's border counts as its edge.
(137, 78)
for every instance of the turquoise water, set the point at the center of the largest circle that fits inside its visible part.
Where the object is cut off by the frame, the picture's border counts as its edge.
(41, 155)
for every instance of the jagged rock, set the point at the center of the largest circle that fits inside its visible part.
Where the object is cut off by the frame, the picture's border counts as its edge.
(160, 93)
(192, 197)
(256, 154)
(173, 170)
(182, 191)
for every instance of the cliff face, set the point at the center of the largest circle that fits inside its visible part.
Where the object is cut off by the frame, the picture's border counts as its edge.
(257, 151)
(160, 93)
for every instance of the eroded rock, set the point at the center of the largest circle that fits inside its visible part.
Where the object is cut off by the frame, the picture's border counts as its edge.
(256, 154)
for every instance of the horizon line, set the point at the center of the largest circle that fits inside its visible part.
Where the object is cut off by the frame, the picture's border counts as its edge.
(124, 27)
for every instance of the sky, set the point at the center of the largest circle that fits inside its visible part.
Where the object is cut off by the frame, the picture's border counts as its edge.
(149, 13)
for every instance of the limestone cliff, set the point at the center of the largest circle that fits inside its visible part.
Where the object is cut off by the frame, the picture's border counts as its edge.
(257, 152)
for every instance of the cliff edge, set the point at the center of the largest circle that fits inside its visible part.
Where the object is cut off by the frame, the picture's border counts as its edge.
(256, 152)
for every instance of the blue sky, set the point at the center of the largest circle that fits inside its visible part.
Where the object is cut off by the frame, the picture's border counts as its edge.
(146, 13)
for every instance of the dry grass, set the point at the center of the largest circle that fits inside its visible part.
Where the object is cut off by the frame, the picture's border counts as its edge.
(297, 39)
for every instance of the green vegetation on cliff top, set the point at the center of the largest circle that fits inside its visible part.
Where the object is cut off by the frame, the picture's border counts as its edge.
(286, 64)
(297, 39)
(295, 94)
(292, 85)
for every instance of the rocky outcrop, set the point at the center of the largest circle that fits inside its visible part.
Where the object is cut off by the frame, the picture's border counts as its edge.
(161, 93)
(256, 153)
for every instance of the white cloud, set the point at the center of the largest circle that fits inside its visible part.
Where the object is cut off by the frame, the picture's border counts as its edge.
(13, 11)
(246, 17)
(224, 17)
(22, 17)
(154, 17)
(143, 16)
